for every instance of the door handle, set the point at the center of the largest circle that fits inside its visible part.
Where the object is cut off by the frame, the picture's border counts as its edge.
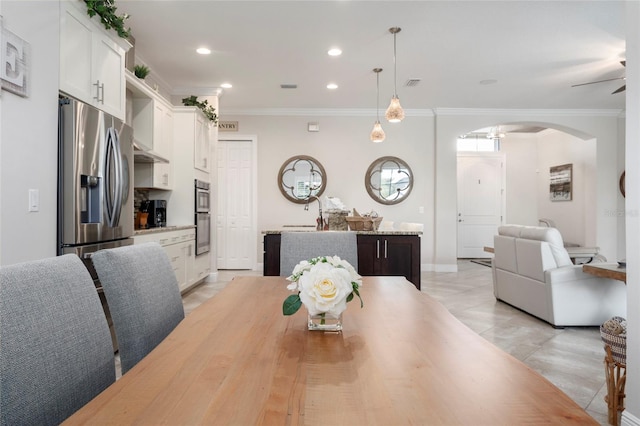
(385, 249)
(378, 249)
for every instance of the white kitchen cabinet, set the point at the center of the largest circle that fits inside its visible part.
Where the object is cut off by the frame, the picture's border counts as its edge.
(201, 266)
(151, 118)
(180, 248)
(163, 129)
(153, 176)
(91, 61)
(202, 160)
(192, 131)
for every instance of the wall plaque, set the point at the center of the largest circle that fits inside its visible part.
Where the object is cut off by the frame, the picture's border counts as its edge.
(561, 182)
(14, 56)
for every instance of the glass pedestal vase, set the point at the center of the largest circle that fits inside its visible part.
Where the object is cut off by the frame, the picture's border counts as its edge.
(325, 322)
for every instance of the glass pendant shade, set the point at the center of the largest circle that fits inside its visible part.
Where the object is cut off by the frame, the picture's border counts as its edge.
(394, 113)
(377, 134)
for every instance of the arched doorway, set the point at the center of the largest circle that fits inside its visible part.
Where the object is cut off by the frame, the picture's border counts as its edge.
(527, 152)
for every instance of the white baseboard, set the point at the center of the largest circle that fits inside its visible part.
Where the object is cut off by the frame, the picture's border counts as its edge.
(629, 419)
(212, 277)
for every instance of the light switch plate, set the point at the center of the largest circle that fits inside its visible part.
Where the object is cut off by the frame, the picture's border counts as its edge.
(34, 200)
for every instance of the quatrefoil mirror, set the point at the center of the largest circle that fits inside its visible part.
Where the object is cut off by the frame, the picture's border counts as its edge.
(301, 177)
(389, 180)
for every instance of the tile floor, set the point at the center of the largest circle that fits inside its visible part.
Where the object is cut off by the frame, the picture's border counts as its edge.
(571, 358)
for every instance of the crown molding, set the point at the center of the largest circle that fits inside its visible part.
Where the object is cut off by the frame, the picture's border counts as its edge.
(320, 112)
(530, 112)
(370, 112)
(198, 91)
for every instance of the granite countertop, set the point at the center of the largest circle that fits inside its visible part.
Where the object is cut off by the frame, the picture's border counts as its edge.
(162, 229)
(280, 231)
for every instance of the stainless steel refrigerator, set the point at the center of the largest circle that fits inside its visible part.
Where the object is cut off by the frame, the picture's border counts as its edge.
(95, 180)
(95, 183)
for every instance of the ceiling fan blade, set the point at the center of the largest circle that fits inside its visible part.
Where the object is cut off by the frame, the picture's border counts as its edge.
(599, 81)
(622, 89)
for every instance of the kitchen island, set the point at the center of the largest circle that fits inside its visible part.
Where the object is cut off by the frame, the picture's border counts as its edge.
(380, 253)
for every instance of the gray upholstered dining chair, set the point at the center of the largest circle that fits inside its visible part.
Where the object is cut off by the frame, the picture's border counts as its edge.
(56, 352)
(297, 246)
(143, 297)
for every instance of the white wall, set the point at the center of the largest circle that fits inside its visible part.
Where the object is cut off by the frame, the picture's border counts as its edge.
(599, 125)
(521, 158)
(631, 416)
(28, 128)
(575, 219)
(528, 158)
(343, 147)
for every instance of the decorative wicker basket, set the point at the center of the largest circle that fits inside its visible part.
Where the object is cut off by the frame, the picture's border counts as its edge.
(362, 223)
(617, 342)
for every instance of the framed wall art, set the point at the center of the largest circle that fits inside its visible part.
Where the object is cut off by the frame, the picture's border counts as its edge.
(561, 182)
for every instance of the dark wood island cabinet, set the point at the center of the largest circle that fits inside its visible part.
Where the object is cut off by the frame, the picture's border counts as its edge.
(378, 254)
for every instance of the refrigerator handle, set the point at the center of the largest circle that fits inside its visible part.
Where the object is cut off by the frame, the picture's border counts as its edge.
(113, 190)
(119, 178)
(108, 178)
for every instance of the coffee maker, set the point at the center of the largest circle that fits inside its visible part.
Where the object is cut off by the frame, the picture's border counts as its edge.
(157, 210)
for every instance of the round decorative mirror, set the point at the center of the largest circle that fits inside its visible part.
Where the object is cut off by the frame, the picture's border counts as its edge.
(301, 177)
(389, 180)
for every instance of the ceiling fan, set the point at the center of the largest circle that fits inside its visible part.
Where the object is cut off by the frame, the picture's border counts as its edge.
(620, 89)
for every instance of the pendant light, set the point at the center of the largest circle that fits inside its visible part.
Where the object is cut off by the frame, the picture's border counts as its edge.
(377, 134)
(394, 113)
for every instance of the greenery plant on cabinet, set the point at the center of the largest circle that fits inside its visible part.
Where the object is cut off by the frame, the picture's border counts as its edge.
(207, 109)
(141, 71)
(106, 10)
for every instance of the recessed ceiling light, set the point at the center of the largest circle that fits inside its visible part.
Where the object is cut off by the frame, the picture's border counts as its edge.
(203, 51)
(334, 51)
(332, 86)
(226, 85)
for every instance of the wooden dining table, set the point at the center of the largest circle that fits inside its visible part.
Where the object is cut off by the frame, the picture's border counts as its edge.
(401, 359)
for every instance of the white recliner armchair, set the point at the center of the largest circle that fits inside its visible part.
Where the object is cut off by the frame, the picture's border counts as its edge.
(533, 272)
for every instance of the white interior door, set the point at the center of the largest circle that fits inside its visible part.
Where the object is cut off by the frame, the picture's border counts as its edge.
(235, 222)
(480, 202)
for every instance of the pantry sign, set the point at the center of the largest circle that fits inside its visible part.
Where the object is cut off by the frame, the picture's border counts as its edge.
(228, 126)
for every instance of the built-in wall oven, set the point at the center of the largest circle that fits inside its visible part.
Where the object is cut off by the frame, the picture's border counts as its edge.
(202, 217)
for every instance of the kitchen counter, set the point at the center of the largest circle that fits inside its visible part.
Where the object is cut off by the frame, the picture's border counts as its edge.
(161, 229)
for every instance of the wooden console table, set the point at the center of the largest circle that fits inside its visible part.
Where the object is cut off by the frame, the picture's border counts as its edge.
(606, 270)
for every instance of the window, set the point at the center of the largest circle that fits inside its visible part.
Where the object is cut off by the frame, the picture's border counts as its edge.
(478, 143)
